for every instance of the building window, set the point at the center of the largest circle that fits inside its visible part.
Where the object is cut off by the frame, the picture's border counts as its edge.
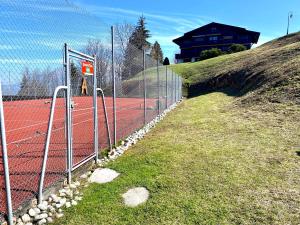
(213, 38)
(243, 37)
(213, 29)
(228, 37)
(199, 39)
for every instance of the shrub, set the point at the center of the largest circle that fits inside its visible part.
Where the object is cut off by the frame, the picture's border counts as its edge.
(211, 53)
(237, 48)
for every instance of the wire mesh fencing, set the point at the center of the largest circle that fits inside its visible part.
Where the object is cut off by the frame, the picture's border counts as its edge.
(136, 88)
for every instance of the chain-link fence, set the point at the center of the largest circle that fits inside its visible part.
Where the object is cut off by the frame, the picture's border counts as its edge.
(136, 87)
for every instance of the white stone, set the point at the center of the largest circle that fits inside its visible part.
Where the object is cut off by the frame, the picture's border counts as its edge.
(20, 223)
(77, 183)
(73, 202)
(37, 210)
(77, 198)
(63, 201)
(26, 218)
(32, 212)
(83, 176)
(73, 186)
(49, 220)
(28, 223)
(42, 207)
(59, 215)
(54, 197)
(102, 176)
(41, 216)
(68, 204)
(135, 196)
(42, 221)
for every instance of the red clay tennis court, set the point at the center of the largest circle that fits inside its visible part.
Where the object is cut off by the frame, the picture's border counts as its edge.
(26, 128)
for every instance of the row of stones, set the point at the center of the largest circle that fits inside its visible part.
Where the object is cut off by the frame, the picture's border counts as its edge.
(52, 208)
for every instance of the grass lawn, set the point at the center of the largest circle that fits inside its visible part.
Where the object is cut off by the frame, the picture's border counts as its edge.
(208, 162)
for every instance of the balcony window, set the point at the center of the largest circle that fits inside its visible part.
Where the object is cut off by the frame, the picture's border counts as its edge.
(213, 38)
(228, 37)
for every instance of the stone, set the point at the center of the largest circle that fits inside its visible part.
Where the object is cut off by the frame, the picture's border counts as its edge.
(42, 207)
(102, 176)
(54, 197)
(26, 218)
(42, 221)
(41, 216)
(135, 196)
(63, 201)
(73, 202)
(72, 186)
(77, 183)
(68, 204)
(49, 220)
(77, 198)
(59, 210)
(59, 215)
(84, 176)
(32, 212)
(37, 210)
(20, 223)
(28, 223)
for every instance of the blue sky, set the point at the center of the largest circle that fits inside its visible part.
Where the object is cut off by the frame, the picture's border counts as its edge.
(33, 31)
(169, 19)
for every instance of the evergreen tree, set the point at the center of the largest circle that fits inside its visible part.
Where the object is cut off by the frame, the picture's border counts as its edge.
(25, 84)
(166, 61)
(156, 52)
(140, 35)
(133, 58)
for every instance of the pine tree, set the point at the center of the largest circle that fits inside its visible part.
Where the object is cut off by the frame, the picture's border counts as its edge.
(140, 35)
(133, 63)
(166, 61)
(25, 83)
(156, 52)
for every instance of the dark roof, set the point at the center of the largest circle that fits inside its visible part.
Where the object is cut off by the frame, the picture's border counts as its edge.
(241, 29)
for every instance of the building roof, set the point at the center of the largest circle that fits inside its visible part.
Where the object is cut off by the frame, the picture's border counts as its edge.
(197, 30)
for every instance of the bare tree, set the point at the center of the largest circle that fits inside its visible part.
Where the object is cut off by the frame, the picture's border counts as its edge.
(96, 47)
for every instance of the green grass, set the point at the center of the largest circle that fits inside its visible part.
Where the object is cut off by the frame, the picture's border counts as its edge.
(208, 162)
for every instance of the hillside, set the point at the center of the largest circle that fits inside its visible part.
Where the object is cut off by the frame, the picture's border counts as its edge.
(267, 74)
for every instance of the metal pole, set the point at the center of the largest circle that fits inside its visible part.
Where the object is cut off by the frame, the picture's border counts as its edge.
(47, 144)
(5, 162)
(114, 86)
(105, 115)
(172, 88)
(68, 114)
(166, 86)
(158, 103)
(96, 144)
(144, 76)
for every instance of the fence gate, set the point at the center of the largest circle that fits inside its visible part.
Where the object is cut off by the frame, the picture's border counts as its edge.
(82, 107)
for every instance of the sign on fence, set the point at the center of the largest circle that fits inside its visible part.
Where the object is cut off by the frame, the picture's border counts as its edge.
(87, 68)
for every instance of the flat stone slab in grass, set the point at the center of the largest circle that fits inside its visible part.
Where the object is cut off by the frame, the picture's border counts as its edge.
(102, 176)
(135, 196)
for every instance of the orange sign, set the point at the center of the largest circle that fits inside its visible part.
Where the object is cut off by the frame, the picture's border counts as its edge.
(87, 68)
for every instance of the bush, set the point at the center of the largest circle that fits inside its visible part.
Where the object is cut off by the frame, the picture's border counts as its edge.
(211, 53)
(237, 48)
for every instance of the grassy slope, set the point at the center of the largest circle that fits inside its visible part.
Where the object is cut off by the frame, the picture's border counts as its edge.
(269, 73)
(206, 163)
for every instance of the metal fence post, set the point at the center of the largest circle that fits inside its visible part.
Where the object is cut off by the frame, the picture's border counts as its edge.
(5, 162)
(158, 94)
(68, 113)
(145, 93)
(96, 135)
(166, 86)
(172, 88)
(114, 86)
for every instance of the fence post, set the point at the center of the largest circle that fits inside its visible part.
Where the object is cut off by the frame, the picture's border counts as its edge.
(68, 114)
(158, 94)
(145, 93)
(166, 86)
(5, 162)
(172, 88)
(114, 86)
(96, 136)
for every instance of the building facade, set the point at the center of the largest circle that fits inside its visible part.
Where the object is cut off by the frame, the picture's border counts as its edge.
(213, 35)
